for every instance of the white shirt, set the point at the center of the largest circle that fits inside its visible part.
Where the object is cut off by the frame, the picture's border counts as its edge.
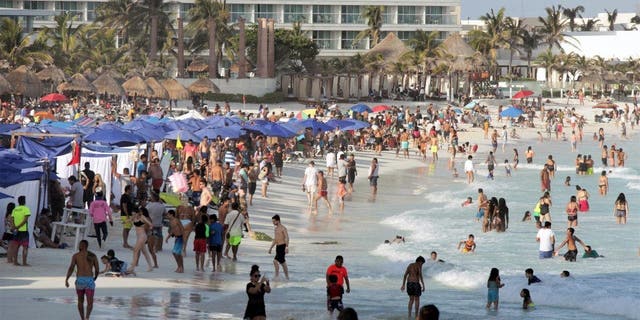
(331, 160)
(236, 229)
(342, 168)
(311, 176)
(545, 235)
(468, 165)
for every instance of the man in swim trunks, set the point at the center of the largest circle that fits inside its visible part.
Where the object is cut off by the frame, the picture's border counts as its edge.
(176, 230)
(570, 241)
(281, 242)
(86, 263)
(415, 283)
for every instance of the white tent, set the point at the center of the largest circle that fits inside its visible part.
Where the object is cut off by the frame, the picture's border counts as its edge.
(192, 114)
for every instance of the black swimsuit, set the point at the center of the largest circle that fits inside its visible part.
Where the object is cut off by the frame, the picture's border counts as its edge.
(138, 223)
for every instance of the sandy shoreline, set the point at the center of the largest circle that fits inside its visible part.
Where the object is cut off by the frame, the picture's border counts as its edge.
(39, 290)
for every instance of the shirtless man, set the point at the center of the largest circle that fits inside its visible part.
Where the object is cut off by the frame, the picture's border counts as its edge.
(203, 150)
(186, 213)
(205, 196)
(87, 272)
(176, 230)
(322, 192)
(483, 204)
(217, 176)
(415, 284)
(281, 242)
(570, 241)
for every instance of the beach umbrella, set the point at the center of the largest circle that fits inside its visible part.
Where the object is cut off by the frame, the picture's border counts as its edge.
(175, 90)
(315, 125)
(77, 83)
(360, 107)
(54, 97)
(183, 135)
(25, 82)
(158, 90)
(107, 84)
(150, 131)
(357, 124)
(271, 129)
(112, 136)
(522, 94)
(51, 74)
(5, 86)
(511, 112)
(333, 107)
(471, 105)
(457, 110)
(380, 108)
(232, 131)
(605, 105)
(137, 87)
(203, 85)
(336, 123)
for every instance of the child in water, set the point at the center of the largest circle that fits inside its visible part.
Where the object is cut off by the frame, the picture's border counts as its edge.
(527, 303)
(507, 167)
(467, 202)
(493, 287)
(469, 244)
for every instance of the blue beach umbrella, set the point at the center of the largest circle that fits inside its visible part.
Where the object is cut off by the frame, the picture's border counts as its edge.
(360, 107)
(315, 125)
(511, 112)
(233, 132)
(471, 104)
(357, 124)
(113, 137)
(183, 135)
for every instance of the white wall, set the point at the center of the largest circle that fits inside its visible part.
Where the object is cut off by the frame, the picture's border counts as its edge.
(609, 45)
(253, 86)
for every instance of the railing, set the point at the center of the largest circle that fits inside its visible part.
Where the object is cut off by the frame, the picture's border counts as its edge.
(440, 19)
(328, 18)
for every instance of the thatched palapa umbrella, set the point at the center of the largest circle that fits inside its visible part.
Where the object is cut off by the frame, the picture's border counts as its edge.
(25, 82)
(77, 83)
(137, 87)
(90, 75)
(203, 85)
(198, 65)
(51, 74)
(159, 91)
(175, 89)
(5, 86)
(105, 84)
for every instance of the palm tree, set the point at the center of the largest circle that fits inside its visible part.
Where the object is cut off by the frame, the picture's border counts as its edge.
(98, 49)
(514, 29)
(373, 14)
(553, 26)
(589, 25)
(496, 34)
(424, 41)
(548, 61)
(64, 39)
(17, 47)
(611, 18)
(357, 67)
(206, 15)
(572, 14)
(480, 41)
(636, 19)
(530, 41)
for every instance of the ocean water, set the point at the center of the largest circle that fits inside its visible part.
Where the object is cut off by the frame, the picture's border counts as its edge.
(423, 204)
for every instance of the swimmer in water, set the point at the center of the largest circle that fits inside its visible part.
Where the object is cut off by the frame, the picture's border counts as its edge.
(469, 245)
(467, 202)
(397, 239)
(527, 303)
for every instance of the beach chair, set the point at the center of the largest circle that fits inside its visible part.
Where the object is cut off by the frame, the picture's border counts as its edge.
(68, 221)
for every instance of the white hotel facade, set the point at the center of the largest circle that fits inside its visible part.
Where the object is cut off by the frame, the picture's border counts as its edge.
(333, 24)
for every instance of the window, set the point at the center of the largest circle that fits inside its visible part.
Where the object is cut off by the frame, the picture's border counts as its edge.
(184, 10)
(352, 15)
(407, 15)
(91, 10)
(71, 7)
(323, 14)
(406, 35)
(323, 39)
(347, 41)
(239, 11)
(437, 15)
(265, 11)
(6, 3)
(294, 13)
(36, 5)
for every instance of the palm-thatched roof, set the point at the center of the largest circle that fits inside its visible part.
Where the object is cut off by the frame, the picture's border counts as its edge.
(198, 65)
(77, 83)
(455, 46)
(158, 90)
(391, 48)
(90, 75)
(105, 83)
(52, 74)
(25, 82)
(136, 86)
(203, 85)
(5, 86)
(175, 90)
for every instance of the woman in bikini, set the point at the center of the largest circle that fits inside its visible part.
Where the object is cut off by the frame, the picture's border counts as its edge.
(583, 199)
(620, 209)
(603, 183)
(140, 221)
(572, 212)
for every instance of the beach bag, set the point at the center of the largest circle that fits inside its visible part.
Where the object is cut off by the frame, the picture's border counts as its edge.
(178, 182)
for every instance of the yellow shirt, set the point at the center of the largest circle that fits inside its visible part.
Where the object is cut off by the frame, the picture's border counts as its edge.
(19, 214)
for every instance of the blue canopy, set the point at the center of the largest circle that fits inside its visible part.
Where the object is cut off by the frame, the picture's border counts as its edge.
(271, 129)
(9, 178)
(44, 148)
(221, 121)
(183, 135)
(471, 104)
(114, 137)
(5, 196)
(7, 127)
(511, 112)
(151, 132)
(315, 125)
(360, 107)
(350, 124)
(233, 131)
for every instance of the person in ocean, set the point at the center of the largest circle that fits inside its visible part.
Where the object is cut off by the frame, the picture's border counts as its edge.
(397, 239)
(531, 278)
(469, 245)
(590, 253)
(527, 303)
(493, 287)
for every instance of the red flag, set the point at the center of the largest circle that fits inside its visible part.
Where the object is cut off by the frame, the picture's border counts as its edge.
(75, 159)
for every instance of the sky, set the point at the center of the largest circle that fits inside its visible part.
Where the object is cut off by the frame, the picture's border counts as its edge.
(473, 9)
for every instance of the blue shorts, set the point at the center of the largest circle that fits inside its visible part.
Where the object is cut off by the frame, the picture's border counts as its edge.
(177, 246)
(546, 254)
(85, 286)
(480, 213)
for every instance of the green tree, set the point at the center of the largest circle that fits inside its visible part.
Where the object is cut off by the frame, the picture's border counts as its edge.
(64, 40)
(495, 36)
(98, 49)
(373, 15)
(294, 50)
(530, 41)
(553, 26)
(514, 29)
(572, 14)
(589, 25)
(17, 48)
(611, 18)
(549, 61)
(205, 17)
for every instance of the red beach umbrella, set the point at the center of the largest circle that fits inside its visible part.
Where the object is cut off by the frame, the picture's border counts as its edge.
(522, 94)
(380, 108)
(54, 97)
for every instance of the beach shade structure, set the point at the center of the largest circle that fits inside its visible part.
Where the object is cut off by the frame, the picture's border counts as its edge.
(90, 75)
(54, 97)
(511, 112)
(380, 108)
(606, 105)
(336, 123)
(360, 107)
(135, 86)
(203, 85)
(51, 76)
(150, 131)
(25, 82)
(5, 86)
(457, 110)
(271, 129)
(106, 84)
(5, 196)
(159, 92)
(522, 94)
(315, 125)
(77, 83)
(221, 121)
(183, 135)
(232, 132)
(175, 90)
(357, 124)
(471, 105)
(114, 137)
